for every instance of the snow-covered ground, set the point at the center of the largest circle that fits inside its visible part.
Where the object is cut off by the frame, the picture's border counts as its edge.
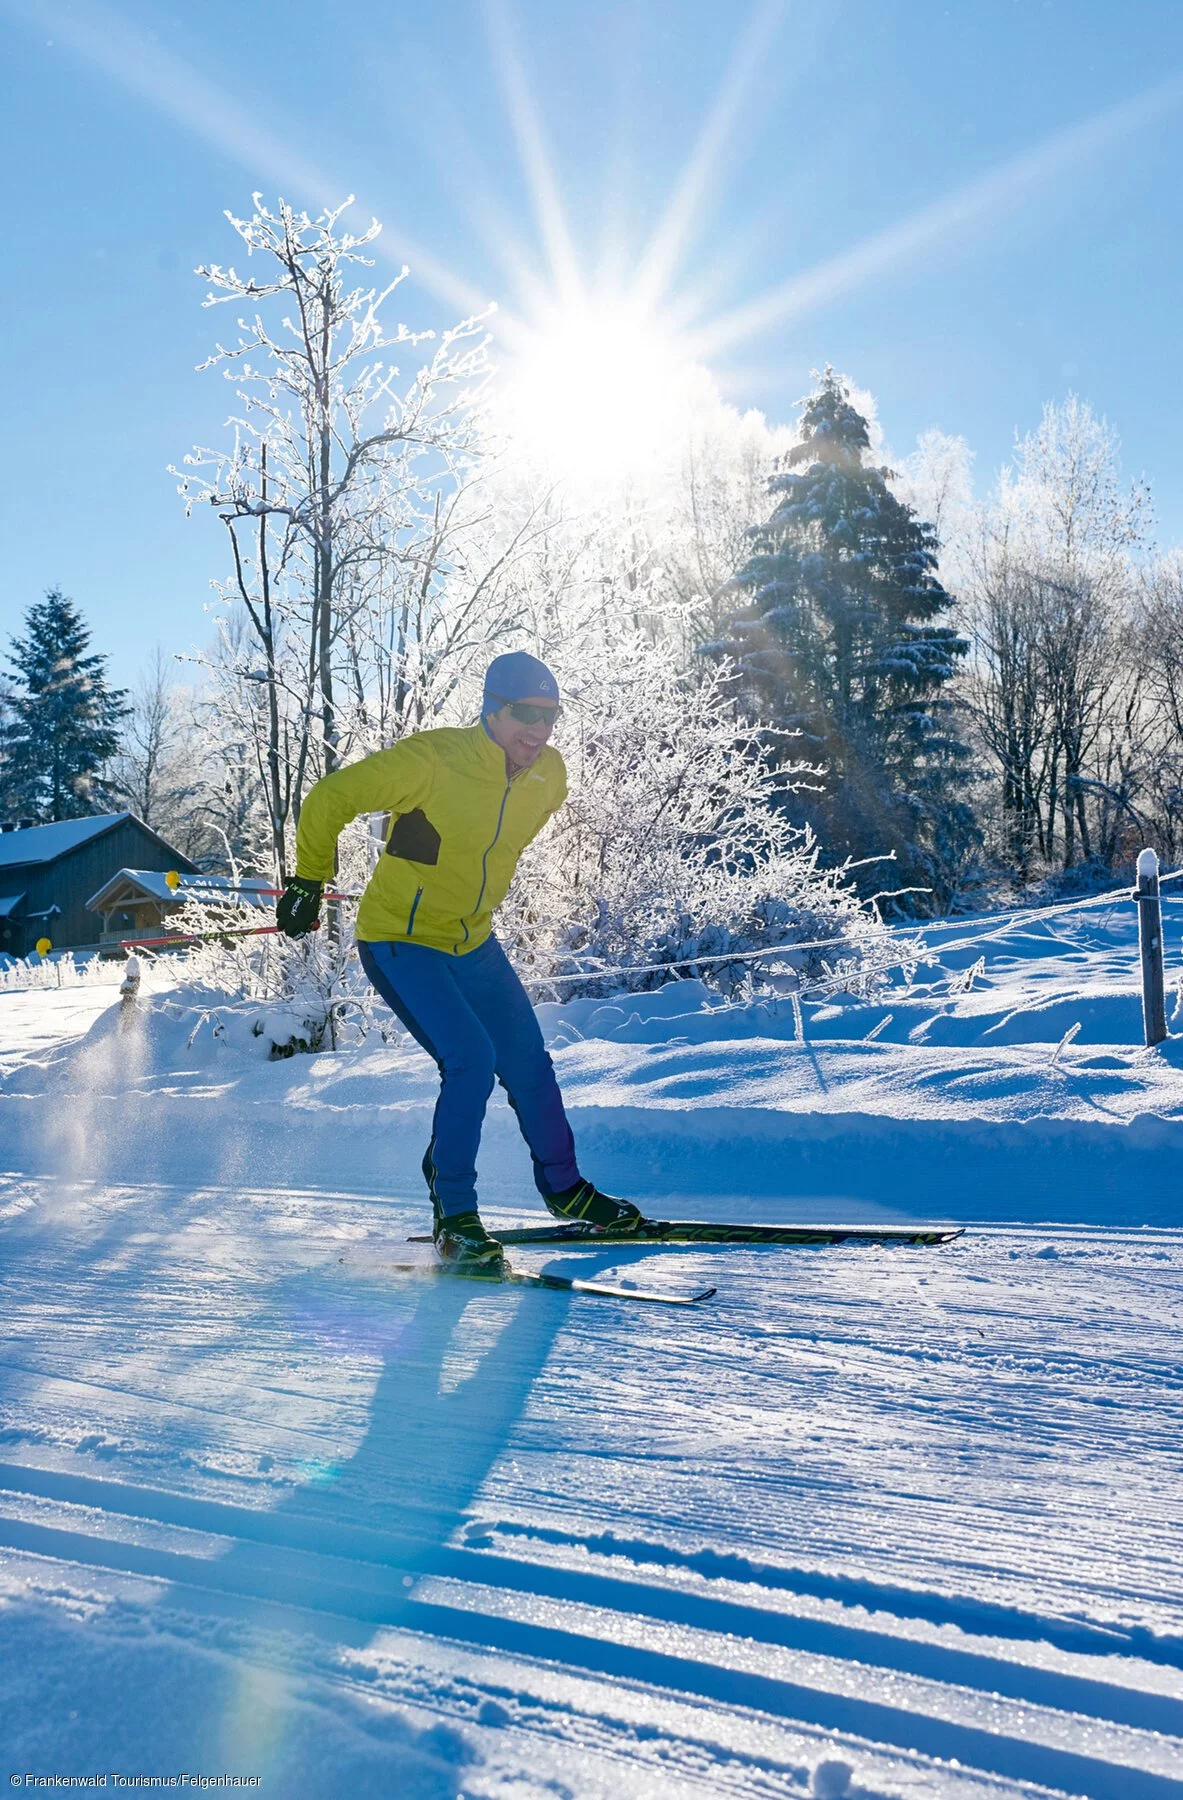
(910, 1514)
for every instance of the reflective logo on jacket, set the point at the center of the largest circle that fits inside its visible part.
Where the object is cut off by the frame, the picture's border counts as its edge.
(458, 826)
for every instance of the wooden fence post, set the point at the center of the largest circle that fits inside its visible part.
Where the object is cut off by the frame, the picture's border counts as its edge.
(1154, 1004)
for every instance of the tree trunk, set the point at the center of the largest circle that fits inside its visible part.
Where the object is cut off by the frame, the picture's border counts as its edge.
(275, 794)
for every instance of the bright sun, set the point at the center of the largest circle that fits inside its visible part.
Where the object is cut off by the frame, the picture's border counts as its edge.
(598, 390)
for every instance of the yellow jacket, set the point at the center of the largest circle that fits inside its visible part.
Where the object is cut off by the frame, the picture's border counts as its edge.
(458, 826)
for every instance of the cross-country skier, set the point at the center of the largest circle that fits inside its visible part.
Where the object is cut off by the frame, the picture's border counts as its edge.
(463, 806)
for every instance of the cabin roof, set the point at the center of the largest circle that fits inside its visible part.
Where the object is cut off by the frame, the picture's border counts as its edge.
(127, 886)
(45, 843)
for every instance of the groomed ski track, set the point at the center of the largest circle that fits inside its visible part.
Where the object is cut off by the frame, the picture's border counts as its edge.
(914, 1511)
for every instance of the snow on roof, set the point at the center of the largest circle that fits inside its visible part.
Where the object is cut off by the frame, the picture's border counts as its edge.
(7, 904)
(42, 843)
(202, 887)
(152, 885)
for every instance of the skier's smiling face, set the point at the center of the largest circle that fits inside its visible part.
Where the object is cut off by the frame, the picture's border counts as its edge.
(522, 727)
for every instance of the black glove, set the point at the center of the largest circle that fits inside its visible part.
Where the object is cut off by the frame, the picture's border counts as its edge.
(299, 906)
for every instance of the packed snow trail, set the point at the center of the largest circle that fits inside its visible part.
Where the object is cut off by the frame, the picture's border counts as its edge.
(910, 1511)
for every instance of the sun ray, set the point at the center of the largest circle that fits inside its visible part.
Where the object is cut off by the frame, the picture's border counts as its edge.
(1005, 186)
(673, 232)
(105, 39)
(463, 171)
(532, 151)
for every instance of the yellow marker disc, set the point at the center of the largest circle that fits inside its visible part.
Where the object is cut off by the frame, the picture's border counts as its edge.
(43, 946)
(172, 880)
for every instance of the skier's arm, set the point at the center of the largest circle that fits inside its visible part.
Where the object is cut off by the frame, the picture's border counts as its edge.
(394, 780)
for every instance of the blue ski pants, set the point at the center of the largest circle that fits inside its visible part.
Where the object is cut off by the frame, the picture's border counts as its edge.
(474, 1019)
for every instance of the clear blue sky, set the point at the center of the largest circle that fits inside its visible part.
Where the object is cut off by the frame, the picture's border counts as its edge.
(1028, 151)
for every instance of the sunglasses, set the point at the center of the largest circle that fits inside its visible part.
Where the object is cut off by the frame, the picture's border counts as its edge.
(525, 714)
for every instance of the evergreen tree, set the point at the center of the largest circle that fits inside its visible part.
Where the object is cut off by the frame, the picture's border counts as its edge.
(61, 721)
(841, 641)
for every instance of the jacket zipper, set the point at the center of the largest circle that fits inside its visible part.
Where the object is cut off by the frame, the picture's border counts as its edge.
(414, 910)
(485, 867)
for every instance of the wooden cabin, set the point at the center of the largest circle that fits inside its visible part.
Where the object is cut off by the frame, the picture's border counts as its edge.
(50, 874)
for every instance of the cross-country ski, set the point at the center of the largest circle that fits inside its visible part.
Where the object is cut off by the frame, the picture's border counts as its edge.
(735, 1231)
(381, 1267)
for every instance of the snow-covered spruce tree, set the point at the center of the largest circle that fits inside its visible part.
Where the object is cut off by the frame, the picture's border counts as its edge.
(63, 720)
(331, 477)
(841, 641)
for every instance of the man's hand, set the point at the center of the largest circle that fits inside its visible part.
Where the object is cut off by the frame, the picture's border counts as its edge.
(299, 906)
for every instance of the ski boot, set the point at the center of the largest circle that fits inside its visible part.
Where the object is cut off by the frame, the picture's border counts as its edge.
(461, 1240)
(584, 1204)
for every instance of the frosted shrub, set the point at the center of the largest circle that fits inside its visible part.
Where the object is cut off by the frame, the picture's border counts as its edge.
(671, 845)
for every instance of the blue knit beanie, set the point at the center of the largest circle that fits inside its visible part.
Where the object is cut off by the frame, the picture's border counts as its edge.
(517, 676)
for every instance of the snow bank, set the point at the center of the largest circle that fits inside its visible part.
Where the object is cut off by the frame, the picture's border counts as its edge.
(979, 1103)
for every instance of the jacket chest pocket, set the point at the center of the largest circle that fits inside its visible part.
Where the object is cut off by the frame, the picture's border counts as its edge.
(414, 838)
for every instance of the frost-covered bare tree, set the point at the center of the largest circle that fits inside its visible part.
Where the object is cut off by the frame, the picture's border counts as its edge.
(334, 469)
(1066, 496)
(1080, 626)
(936, 481)
(235, 717)
(442, 603)
(1005, 691)
(160, 770)
(1049, 598)
(1156, 653)
(717, 489)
